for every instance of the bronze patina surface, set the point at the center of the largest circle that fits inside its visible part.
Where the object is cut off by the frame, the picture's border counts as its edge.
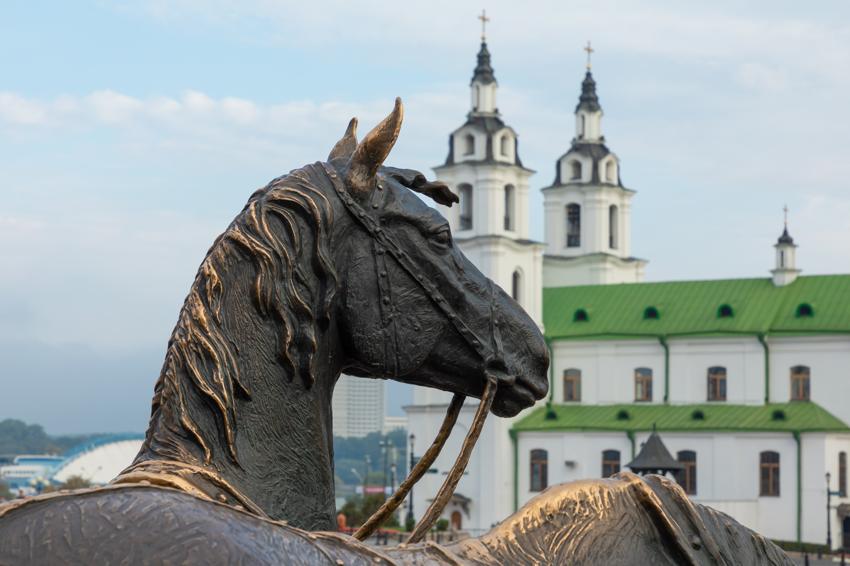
(339, 267)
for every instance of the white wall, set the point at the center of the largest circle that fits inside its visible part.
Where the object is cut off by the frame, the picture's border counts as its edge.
(727, 473)
(743, 359)
(607, 368)
(829, 360)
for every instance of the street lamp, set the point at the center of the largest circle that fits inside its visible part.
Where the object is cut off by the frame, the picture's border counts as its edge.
(386, 445)
(366, 476)
(829, 494)
(360, 477)
(410, 518)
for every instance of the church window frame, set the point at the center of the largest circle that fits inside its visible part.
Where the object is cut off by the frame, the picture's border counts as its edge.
(466, 206)
(469, 144)
(572, 385)
(716, 383)
(516, 285)
(643, 384)
(651, 313)
(611, 171)
(613, 226)
(687, 477)
(842, 474)
(801, 383)
(769, 469)
(610, 462)
(538, 469)
(573, 218)
(575, 170)
(510, 208)
(805, 310)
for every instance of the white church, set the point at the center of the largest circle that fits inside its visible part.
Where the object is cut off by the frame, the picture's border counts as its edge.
(747, 381)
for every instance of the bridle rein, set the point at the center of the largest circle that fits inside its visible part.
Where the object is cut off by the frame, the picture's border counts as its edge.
(490, 352)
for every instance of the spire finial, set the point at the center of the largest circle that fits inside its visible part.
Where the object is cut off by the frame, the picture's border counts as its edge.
(484, 19)
(785, 210)
(589, 51)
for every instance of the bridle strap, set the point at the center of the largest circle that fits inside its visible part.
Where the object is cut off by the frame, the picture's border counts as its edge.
(448, 488)
(422, 466)
(490, 354)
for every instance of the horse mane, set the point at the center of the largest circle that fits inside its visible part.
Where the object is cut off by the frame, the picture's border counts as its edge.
(294, 285)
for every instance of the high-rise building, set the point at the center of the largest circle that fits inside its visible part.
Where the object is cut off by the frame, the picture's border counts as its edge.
(358, 406)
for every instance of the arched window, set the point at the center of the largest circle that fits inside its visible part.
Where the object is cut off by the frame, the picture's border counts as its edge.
(583, 126)
(842, 474)
(805, 310)
(769, 474)
(575, 170)
(725, 311)
(651, 313)
(477, 97)
(572, 384)
(465, 194)
(456, 520)
(504, 145)
(469, 144)
(613, 227)
(516, 285)
(611, 171)
(539, 469)
(643, 384)
(510, 204)
(717, 383)
(687, 478)
(781, 258)
(573, 225)
(580, 315)
(610, 463)
(800, 383)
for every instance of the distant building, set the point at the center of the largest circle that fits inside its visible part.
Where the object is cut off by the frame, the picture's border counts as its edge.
(97, 461)
(392, 423)
(358, 406)
(747, 379)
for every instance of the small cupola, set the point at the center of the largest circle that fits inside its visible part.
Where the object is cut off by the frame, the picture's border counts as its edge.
(786, 271)
(483, 85)
(588, 110)
(654, 458)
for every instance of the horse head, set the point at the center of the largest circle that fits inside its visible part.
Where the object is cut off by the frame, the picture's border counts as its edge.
(411, 306)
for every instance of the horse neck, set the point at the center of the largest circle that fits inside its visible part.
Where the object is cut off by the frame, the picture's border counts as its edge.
(282, 459)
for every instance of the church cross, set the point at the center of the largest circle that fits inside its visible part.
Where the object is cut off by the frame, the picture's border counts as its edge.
(785, 210)
(484, 19)
(589, 50)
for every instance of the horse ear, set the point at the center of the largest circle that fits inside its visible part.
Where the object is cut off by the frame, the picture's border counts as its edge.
(344, 148)
(372, 151)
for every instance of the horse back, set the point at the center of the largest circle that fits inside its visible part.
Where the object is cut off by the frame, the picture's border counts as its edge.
(151, 525)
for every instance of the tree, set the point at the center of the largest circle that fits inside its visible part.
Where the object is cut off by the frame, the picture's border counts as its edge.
(358, 509)
(5, 494)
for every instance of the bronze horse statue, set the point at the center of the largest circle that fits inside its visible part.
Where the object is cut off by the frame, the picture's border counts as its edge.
(339, 267)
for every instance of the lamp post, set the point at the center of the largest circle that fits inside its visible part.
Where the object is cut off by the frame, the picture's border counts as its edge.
(366, 475)
(410, 518)
(829, 494)
(386, 446)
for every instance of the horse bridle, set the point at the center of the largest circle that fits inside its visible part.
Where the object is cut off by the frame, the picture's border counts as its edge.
(490, 352)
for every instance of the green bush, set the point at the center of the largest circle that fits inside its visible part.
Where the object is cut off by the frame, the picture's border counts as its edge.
(442, 525)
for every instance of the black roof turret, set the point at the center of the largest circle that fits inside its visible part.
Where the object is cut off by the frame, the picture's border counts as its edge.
(654, 458)
(588, 100)
(483, 70)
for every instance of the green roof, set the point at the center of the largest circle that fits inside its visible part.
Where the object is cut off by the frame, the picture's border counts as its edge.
(692, 308)
(797, 416)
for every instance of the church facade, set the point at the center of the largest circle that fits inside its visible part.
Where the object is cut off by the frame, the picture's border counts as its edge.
(746, 380)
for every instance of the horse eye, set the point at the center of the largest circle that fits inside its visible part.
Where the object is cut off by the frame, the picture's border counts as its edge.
(443, 238)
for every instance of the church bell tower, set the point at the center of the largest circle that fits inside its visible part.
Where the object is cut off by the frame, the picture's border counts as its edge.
(491, 226)
(587, 209)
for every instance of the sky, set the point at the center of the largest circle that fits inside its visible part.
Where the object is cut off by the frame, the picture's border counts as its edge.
(132, 132)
